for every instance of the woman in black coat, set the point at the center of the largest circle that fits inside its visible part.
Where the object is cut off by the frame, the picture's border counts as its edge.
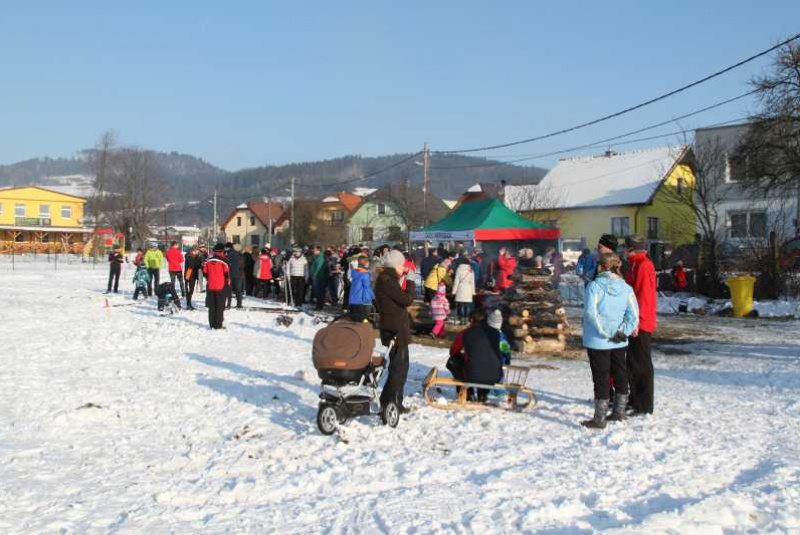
(392, 301)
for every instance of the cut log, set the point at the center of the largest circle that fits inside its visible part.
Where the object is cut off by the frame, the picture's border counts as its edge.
(544, 345)
(525, 313)
(521, 332)
(546, 331)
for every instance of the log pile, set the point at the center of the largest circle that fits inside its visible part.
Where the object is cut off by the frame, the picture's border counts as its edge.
(537, 319)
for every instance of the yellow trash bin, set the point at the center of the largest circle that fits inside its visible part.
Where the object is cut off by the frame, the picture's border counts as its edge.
(741, 295)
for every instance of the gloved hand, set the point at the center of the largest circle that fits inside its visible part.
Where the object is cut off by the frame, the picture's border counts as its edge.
(618, 337)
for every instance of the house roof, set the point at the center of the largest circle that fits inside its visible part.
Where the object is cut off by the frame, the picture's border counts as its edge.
(413, 197)
(350, 201)
(611, 179)
(48, 190)
(260, 209)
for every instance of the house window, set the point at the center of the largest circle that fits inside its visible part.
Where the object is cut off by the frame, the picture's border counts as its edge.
(748, 225)
(66, 212)
(553, 223)
(735, 168)
(620, 226)
(652, 228)
(337, 216)
(1, 208)
(19, 210)
(238, 221)
(254, 240)
(236, 239)
(395, 233)
(381, 209)
(44, 210)
(253, 221)
(366, 234)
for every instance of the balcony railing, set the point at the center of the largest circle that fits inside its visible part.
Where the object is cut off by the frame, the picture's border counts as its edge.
(33, 221)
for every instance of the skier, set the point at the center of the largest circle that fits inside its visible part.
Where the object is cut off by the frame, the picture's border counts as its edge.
(115, 261)
(174, 258)
(217, 275)
(642, 278)
(610, 315)
(194, 265)
(153, 260)
(392, 302)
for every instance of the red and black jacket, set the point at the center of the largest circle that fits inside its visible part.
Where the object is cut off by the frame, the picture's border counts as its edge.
(217, 272)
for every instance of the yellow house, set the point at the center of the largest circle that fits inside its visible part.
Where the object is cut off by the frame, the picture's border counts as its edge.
(35, 215)
(619, 193)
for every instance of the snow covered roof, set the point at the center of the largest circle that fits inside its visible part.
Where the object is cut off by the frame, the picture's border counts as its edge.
(363, 192)
(611, 179)
(475, 189)
(331, 199)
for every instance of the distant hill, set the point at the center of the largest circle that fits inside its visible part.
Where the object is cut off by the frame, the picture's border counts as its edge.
(192, 180)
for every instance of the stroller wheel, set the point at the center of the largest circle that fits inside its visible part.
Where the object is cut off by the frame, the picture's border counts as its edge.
(327, 419)
(390, 414)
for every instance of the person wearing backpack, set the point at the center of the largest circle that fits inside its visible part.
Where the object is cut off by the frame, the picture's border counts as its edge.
(610, 316)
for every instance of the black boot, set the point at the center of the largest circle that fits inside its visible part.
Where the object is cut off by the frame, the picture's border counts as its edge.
(599, 420)
(618, 413)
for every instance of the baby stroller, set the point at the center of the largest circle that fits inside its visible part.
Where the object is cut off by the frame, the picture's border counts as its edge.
(350, 373)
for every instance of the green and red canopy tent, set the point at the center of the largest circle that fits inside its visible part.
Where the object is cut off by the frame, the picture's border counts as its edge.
(482, 221)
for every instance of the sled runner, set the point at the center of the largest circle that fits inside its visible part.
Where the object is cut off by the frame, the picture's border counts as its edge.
(518, 396)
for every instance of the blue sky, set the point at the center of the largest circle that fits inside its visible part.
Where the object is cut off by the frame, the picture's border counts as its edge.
(247, 83)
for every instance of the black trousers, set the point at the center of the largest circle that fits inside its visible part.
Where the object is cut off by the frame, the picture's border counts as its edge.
(640, 372)
(113, 274)
(215, 301)
(138, 291)
(153, 282)
(360, 312)
(262, 288)
(398, 373)
(235, 289)
(429, 294)
(298, 290)
(607, 363)
(249, 284)
(190, 285)
(177, 275)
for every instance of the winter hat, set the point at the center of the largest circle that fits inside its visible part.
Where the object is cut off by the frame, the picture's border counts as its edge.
(635, 243)
(441, 290)
(495, 319)
(394, 259)
(218, 248)
(609, 241)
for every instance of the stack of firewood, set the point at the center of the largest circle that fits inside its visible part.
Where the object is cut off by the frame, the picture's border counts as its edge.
(537, 318)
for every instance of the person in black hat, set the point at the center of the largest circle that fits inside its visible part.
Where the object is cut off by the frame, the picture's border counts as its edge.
(218, 276)
(607, 244)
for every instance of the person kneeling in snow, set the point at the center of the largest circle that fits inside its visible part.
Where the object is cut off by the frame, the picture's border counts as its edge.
(475, 355)
(164, 291)
(140, 280)
(610, 315)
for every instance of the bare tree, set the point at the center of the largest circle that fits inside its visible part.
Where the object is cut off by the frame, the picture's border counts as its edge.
(136, 191)
(703, 198)
(532, 200)
(100, 160)
(769, 155)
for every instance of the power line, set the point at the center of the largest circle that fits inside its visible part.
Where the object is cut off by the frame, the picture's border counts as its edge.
(606, 140)
(631, 108)
(364, 177)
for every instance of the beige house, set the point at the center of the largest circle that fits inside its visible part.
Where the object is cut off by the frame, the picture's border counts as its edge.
(249, 223)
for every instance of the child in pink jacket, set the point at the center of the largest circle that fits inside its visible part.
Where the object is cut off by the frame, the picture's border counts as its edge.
(440, 309)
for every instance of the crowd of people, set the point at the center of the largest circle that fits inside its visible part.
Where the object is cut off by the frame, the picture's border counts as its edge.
(619, 308)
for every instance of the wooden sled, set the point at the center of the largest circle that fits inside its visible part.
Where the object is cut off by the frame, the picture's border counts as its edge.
(514, 377)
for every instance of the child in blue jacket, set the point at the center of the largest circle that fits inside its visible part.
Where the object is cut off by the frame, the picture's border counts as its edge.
(361, 294)
(140, 280)
(610, 316)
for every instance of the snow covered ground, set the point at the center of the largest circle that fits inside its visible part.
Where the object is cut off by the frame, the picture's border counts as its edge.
(120, 420)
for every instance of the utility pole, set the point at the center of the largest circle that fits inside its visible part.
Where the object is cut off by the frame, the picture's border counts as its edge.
(269, 223)
(214, 237)
(291, 222)
(426, 160)
(166, 244)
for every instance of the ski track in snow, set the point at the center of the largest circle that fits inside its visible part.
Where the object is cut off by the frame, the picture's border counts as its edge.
(121, 420)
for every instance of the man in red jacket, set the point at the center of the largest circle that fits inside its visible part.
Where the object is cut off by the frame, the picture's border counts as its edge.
(506, 264)
(217, 279)
(175, 266)
(642, 278)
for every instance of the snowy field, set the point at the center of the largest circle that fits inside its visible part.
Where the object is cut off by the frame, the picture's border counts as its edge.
(120, 420)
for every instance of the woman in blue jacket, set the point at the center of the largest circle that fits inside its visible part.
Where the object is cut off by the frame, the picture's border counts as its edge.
(361, 294)
(610, 315)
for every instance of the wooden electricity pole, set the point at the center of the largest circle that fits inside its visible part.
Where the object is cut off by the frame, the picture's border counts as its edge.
(426, 160)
